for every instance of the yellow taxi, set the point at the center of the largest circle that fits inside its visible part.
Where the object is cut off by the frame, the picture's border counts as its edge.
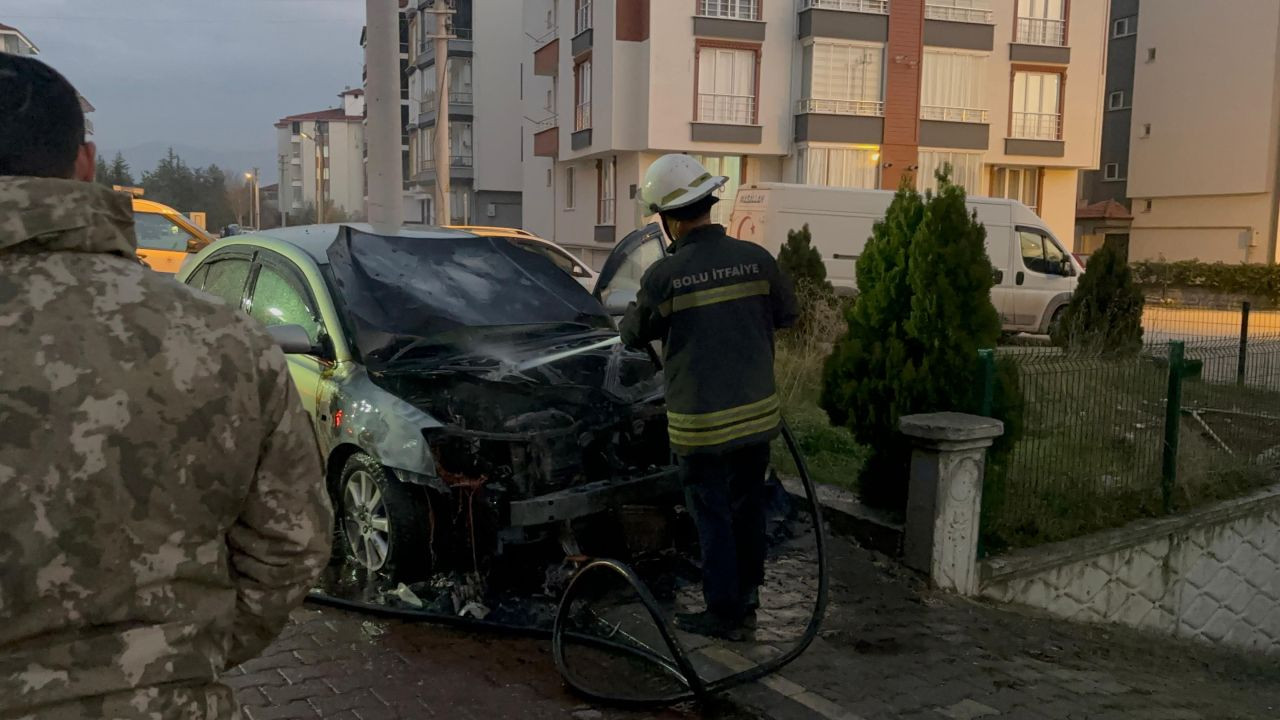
(526, 240)
(165, 237)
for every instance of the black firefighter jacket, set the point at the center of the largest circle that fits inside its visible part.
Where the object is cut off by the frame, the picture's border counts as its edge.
(715, 304)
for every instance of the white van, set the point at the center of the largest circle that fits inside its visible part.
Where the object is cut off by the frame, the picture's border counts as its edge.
(1034, 273)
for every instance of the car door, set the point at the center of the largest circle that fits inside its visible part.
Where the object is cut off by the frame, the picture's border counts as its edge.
(1045, 272)
(280, 295)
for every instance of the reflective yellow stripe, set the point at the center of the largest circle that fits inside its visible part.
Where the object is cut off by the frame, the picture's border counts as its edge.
(726, 293)
(724, 435)
(702, 421)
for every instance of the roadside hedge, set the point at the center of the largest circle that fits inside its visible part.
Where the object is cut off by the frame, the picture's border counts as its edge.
(1255, 281)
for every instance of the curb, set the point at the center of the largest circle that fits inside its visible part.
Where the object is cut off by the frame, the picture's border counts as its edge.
(872, 529)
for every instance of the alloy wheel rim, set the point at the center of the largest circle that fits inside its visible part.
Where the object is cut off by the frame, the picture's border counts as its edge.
(365, 521)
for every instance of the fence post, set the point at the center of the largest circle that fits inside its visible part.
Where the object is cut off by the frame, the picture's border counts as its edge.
(1244, 341)
(987, 358)
(1172, 423)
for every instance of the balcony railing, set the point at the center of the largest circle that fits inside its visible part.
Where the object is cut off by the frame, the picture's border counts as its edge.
(879, 7)
(456, 97)
(726, 109)
(582, 18)
(874, 108)
(455, 161)
(1042, 31)
(545, 124)
(1036, 126)
(582, 116)
(952, 114)
(731, 9)
(954, 13)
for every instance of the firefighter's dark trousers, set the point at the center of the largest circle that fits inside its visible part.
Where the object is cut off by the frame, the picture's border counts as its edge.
(726, 494)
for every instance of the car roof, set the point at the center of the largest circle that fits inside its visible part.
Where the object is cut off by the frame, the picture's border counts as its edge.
(151, 206)
(314, 240)
(495, 231)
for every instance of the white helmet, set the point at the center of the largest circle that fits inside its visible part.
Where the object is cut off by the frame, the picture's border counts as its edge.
(674, 181)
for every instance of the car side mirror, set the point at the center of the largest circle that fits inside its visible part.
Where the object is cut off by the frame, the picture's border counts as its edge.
(1066, 269)
(294, 340)
(617, 301)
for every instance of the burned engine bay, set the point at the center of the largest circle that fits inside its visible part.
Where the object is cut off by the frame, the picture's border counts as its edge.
(528, 427)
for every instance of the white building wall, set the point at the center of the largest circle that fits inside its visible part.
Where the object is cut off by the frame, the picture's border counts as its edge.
(497, 72)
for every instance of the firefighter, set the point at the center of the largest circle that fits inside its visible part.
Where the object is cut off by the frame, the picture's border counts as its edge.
(714, 303)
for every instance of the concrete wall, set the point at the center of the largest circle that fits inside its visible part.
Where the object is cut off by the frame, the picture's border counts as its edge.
(346, 165)
(1058, 203)
(1211, 575)
(497, 71)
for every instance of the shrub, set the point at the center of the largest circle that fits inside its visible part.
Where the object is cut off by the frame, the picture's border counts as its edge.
(1255, 281)
(922, 313)
(802, 262)
(1105, 313)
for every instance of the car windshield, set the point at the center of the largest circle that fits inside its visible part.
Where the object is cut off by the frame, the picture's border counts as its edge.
(402, 291)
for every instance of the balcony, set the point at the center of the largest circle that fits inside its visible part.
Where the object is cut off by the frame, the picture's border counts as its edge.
(459, 44)
(546, 138)
(582, 17)
(730, 19)
(582, 116)
(1041, 31)
(870, 108)
(726, 118)
(875, 7)
(954, 127)
(546, 59)
(954, 13)
(860, 20)
(1038, 134)
(461, 167)
(460, 103)
(952, 114)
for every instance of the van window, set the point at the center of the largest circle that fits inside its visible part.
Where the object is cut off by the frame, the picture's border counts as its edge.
(1041, 254)
(157, 232)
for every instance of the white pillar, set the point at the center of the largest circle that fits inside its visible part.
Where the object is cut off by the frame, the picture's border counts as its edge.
(944, 499)
(382, 103)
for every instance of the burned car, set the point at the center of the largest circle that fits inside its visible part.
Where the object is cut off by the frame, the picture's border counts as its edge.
(468, 395)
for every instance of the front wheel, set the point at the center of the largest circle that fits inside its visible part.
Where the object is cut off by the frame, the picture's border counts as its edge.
(385, 526)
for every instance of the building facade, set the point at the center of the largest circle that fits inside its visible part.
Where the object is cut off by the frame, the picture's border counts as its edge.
(322, 158)
(1204, 155)
(848, 93)
(484, 56)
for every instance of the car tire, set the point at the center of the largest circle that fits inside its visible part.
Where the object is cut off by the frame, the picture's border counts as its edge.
(382, 525)
(1055, 320)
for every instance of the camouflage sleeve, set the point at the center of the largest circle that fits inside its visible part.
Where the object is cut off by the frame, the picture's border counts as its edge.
(281, 541)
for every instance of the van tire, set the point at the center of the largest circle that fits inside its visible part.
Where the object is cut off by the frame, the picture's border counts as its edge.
(1055, 320)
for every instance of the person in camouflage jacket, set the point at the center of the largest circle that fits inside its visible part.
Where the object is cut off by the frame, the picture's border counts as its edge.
(162, 508)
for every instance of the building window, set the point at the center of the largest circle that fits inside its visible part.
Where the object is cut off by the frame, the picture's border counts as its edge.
(1111, 171)
(1146, 130)
(1146, 206)
(732, 167)
(1017, 183)
(966, 169)
(1151, 54)
(460, 205)
(1115, 101)
(582, 95)
(735, 9)
(843, 79)
(581, 16)
(606, 171)
(727, 85)
(849, 166)
(969, 11)
(1124, 27)
(1042, 22)
(295, 127)
(952, 87)
(550, 177)
(568, 188)
(1037, 114)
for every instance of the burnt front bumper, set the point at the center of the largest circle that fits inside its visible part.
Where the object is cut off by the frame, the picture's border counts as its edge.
(592, 498)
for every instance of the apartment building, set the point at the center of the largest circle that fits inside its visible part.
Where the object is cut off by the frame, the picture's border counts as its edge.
(322, 156)
(485, 51)
(15, 42)
(1204, 150)
(848, 93)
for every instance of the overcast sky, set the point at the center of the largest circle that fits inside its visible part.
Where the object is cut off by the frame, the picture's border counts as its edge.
(207, 73)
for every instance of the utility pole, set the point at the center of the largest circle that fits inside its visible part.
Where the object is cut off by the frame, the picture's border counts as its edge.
(280, 199)
(319, 176)
(382, 106)
(257, 201)
(441, 37)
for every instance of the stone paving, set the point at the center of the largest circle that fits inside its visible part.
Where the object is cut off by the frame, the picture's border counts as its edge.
(890, 648)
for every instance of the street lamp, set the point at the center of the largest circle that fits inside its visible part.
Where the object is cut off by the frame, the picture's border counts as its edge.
(315, 142)
(256, 208)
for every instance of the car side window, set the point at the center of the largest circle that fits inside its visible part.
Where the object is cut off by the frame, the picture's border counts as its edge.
(157, 232)
(279, 299)
(225, 279)
(1040, 254)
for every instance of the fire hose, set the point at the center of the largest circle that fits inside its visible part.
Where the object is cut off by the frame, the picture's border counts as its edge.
(678, 667)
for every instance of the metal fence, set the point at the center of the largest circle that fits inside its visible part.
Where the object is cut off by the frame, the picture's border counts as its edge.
(1102, 440)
